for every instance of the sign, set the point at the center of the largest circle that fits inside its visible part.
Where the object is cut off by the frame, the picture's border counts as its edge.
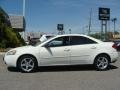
(104, 13)
(60, 27)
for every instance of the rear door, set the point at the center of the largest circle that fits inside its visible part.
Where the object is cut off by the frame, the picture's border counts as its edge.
(82, 49)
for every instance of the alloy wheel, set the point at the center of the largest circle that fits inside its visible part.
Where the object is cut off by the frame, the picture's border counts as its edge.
(102, 62)
(27, 64)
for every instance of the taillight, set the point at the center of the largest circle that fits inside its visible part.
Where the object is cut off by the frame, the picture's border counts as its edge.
(114, 46)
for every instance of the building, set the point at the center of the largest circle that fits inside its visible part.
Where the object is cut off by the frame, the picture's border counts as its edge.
(17, 22)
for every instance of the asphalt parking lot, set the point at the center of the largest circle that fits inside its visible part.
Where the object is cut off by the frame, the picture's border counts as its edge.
(60, 78)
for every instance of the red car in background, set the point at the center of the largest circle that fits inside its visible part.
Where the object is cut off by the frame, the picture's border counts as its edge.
(117, 45)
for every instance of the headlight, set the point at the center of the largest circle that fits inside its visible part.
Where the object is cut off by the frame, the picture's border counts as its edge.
(11, 52)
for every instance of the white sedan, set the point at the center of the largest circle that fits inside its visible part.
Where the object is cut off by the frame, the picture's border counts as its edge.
(68, 49)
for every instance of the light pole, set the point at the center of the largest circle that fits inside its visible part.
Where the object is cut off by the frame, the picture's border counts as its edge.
(24, 18)
(24, 7)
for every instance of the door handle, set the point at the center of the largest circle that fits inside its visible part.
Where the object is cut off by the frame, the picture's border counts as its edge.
(67, 50)
(93, 47)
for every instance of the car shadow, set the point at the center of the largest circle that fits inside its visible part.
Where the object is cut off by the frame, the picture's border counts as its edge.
(111, 67)
(63, 68)
(66, 68)
(13, 69)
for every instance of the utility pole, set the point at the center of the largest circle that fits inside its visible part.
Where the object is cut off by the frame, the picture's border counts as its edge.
(89, 26)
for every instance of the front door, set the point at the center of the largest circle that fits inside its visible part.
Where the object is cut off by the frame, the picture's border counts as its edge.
(55, 52)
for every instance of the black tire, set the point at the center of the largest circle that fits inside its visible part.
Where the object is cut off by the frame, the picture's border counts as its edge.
(27, 64)
(102, 62)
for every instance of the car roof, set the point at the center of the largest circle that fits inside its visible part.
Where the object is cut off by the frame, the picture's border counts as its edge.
(81, 35)
(71, 35)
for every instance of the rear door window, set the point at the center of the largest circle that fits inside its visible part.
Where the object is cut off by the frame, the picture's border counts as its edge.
(80, 40)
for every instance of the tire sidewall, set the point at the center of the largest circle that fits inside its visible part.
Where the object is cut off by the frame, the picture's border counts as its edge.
(27, 56)
(96, 60)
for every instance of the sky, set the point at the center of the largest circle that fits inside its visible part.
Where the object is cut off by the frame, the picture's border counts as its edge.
(44, 15)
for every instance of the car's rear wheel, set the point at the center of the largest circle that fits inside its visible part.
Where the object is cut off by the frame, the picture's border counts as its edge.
(27, 64)
(102, 62)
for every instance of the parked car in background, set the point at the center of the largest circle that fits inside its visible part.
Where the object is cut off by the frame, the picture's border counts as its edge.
(68, 49)
(117, 44)
(34, 41)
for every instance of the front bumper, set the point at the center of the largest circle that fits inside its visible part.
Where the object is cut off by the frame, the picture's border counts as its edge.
(10, 60)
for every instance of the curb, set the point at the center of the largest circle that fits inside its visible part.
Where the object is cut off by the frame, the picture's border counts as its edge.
(2, 53)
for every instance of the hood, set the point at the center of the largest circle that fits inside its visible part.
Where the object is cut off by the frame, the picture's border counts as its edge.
(23, 47)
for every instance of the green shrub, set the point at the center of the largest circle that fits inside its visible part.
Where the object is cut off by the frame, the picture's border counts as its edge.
(8, 37)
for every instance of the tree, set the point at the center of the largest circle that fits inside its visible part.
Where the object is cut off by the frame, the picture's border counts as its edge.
(96, 35)
(8, 37)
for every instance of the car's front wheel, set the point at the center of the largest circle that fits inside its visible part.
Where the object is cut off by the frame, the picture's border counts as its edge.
(101, 62)
(27, 64)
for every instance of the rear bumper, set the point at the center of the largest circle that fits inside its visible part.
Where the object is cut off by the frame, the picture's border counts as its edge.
(114, 57)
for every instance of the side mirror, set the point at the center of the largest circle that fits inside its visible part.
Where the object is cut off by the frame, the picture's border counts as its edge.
(51, 44)
(47, 46)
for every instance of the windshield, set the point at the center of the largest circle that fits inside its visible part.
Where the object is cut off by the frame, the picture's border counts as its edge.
(39, 42)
